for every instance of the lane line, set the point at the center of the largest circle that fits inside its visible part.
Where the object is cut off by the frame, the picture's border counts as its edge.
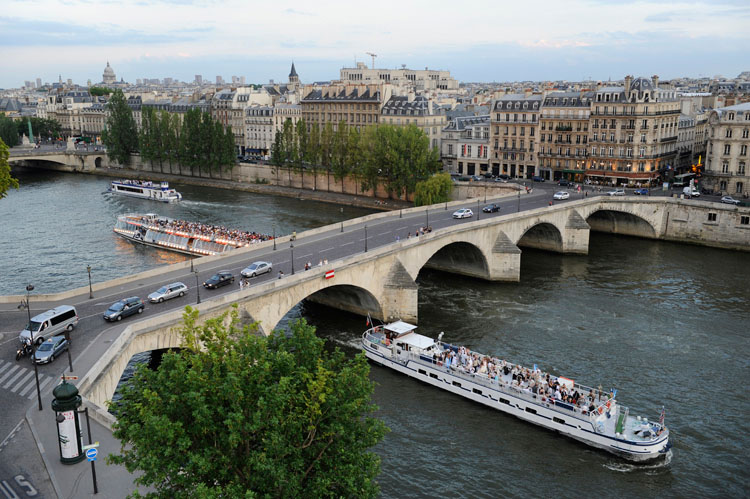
(41, 387)
(21, 382)
(347, 244)
(31, 386)
(384, 233)
(11, 380)
(9, 372)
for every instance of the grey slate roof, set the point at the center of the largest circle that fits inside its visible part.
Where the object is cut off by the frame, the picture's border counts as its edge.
(340, 96)
(399, 105)
(569, 99)
(462, 123)
(518, 102)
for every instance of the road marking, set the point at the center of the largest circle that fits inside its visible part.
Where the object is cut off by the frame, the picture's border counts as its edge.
(11, 380)
(384, 233)
(21, 382)
(10, 435)
(41, 387)
(327, 249)
(403, 228)
(30, 386)
(347, 244)
(9, 372)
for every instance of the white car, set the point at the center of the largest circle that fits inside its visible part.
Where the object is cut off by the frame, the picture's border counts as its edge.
(561, 195)
(463, 213)
(168, 292)
(730, 200)
(617, 192)
(256, 268)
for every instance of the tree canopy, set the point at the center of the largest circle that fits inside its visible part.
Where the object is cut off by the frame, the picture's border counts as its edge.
(99, 91)
(236, 414)
(9, 131)
(6, 180)
(436, 189)
(120, 135)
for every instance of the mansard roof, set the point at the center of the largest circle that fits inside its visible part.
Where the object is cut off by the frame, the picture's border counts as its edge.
(568, 99)
(463, 122)
(518, 102)
(341, 96)
(400, 105)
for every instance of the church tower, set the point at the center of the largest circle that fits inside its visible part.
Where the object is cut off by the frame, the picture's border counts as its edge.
(293, 78)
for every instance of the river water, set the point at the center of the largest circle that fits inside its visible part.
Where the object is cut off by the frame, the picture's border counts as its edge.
(665, 324)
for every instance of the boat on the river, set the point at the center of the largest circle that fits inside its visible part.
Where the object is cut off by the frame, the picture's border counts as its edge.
(586, 414)
(191, 238)
(145, 189)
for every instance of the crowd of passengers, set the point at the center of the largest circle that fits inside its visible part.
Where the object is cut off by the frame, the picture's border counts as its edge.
(214, 232)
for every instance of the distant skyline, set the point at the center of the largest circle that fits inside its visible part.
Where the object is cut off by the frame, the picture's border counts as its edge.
(482, 41)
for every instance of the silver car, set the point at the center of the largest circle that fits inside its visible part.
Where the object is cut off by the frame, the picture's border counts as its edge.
(168, 292)
(47, 351)
(256, 268)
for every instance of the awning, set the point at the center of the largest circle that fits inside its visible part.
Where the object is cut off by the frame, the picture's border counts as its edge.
(416, 340)
(683, 175)
(400, 327)
(574, 171)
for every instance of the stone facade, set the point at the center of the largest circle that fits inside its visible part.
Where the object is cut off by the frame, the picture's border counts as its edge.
(563, 135)
(262, 123)
(465, 145)
(515, 131)
(727, 160)
(420, 80)
(419, 111)
(356, 105)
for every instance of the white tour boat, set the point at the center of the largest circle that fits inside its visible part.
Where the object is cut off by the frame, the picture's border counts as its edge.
(598, 421)
(145, 189)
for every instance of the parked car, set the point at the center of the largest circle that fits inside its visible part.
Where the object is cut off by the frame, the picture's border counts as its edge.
(561, 195)
(47, 351)
(730, 200)
(617, 192)
(537, 178)
(124, 308)
(564, 183)
(476, 178)
(694, 193)
(491, 208)
(256, 268)
(641, 192)
(168, 292)
(503, 180)
(219, 279)
(504, 177)
(463, 213)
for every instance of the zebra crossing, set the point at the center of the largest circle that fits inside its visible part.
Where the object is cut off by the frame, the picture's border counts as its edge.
(18, 378)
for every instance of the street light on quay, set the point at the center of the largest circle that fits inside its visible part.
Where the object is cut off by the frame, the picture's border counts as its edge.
(365, 239)
(519, 200)
(29, 289)
(291, 248)
(197, 287)
(274, 237)
(91, 290)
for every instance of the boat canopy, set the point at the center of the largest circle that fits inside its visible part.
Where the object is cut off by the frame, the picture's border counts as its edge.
(416, 340)
(400, 327)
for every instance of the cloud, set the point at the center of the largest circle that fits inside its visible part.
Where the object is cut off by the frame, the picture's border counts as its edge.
(558, 44)
(662, 17)
(299, 12)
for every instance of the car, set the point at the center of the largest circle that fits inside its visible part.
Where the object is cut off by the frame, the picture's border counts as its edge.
(168, 292)
(463, 213)
(561, 195)
(476, 178)
(616, 192)
(503, 180)
(219, 279)
(504, 177)
(256, 268)
(124, 308)
(641, 192)
(491, 208)
(537, 178)
(564, 183)
(730, 200)
(47, 351)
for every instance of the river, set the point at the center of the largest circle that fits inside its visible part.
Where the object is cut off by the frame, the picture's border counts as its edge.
(665, 324)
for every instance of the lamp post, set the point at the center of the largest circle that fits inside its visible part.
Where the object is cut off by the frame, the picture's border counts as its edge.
(427, 217)
(478, 209)
(365, 239)
(29, 289)
(91, 291)
(274, 237)
(519, 200)
(291, 248)
(197, 287)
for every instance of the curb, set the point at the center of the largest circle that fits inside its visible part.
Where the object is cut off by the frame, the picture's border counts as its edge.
(45, 457)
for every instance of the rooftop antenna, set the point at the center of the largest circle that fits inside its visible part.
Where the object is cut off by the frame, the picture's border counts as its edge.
(373, 55)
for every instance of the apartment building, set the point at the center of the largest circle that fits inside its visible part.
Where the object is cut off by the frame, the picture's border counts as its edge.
(355, 105)
(262, 123)
(514, 122)
(563, 135)
(415, 110)
(727, 157)
(420, 80)
(465, 145)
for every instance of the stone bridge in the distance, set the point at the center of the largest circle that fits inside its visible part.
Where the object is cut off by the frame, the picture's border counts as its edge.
(49, 158)
(382, 281)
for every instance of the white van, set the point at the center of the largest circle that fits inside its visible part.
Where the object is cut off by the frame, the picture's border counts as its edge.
(50, 323)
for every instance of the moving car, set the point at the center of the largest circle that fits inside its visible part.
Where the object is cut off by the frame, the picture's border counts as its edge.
(219, 279)
(504, 177)
(561, 195)
(50, 323)
(256, 268)
(476, 178)
(124, 308)
(730, 200)
(537, 178)
(564, 183)
(167, 292)
(463, 213)
(47, 351)
(641, 192)
(491, 208)
(617, 192)
(694, 193)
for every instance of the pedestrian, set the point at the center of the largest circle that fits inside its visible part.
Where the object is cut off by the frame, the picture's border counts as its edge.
(325, 261)
(281, 274)
(397, 238)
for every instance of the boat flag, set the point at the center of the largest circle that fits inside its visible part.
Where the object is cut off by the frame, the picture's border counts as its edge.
(614, 392)
(661, 417)
(330, 274)
(534, 367)
(369, 320)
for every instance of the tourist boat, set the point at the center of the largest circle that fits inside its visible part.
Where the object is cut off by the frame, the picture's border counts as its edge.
(154, 230)
(145, 189)
(604, 424)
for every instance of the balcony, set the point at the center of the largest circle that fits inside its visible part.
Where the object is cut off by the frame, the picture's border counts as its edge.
(563, 128)
(668, 139)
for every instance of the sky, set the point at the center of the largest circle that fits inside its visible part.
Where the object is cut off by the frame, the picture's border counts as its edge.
(481, 41)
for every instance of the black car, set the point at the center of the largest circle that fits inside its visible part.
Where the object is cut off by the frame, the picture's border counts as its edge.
(219, 279)
(565, 183)
(491, 208)
(124, 308)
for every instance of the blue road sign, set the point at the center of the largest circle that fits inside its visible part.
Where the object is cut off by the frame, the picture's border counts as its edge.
(91, 454)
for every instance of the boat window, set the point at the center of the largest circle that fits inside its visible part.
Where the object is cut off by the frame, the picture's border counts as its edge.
(558, 420)
(422, 371)
(433, 375)
(504, 401)
(530, 410)
(475, 390)
(456, 383)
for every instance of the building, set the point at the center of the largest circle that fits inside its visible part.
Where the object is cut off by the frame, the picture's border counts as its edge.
(465, 145)
(563, 135)
(633, 133)
(262, 123)
(108, 77)
(420, 80)
(354, 105)
(228, 107)
(514, 122)
(198, 80)
(727, 157)
(418, 111)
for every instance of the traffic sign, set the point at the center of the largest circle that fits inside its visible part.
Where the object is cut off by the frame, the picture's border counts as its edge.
(91, 454)
(91, 446)
(68, 377)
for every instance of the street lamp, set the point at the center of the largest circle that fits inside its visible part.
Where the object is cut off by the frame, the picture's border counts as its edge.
(365, 239)
(478, 209)
(274, 237)
(29, 289)
(91, 291)
(291, 248)
(427, 217)
(519, 200)
(197, 287)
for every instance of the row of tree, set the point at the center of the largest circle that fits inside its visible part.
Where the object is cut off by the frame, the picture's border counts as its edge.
(393, 156)
(11, 130)
(197, 141)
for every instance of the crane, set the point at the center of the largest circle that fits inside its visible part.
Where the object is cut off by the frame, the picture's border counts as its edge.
(373, 58)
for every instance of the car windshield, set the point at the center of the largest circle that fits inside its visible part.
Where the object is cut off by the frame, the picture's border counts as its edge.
(253, 266)
(116, 307)
(162, 290)
(33, 326)
(45, 347)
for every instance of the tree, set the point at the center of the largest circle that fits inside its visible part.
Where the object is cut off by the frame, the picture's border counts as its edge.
(99, 91)
(436, 189)
(6, 180)
(236, 414)
(9, 131)
(146, 136)
(120, 136)
(42, 127)
(340, 157)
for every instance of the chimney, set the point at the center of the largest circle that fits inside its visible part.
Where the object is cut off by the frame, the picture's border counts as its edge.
(628, 81)
(655, 80)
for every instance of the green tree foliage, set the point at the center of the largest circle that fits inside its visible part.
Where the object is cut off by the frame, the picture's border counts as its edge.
(236, 414)
(99, 91)
(277, 149)
(6, 180)
(9, 131)
(436, 189)
(42, 127)
(120, 135)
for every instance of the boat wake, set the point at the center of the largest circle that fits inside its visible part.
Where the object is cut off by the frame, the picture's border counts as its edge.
(650, 468)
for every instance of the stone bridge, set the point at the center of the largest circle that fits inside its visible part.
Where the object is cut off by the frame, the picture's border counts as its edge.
(60, 159)
(382, 281)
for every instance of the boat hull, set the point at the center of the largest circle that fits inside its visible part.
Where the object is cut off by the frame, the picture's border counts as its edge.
(536, 412)
(144, 196)
(156, 245)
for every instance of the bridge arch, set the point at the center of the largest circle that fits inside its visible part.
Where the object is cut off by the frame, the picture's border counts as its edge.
(621, 222)
(542, 235)
(458, 257)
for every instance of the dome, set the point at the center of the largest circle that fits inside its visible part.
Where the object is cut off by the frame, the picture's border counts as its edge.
(108, 70)
(642, 84)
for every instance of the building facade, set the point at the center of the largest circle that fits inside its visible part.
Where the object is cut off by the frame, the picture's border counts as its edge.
(727, 156)
(355, 105)
(465, 145)
(419, 111)
(514, 123)
(420, 80)
(262, 123)
(563, 135)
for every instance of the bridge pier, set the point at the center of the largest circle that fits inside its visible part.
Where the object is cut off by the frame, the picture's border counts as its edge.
(575, 237)
(505, 260)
